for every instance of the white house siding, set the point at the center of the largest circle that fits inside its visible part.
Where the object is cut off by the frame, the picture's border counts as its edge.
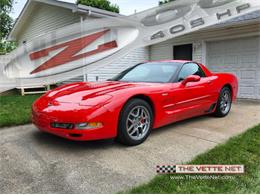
(49, 18)
(240, 57)
(111, 70)
(45, 19)
(164, 50)
(5, 83)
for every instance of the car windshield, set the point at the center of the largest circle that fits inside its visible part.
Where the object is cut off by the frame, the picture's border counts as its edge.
(152, 72)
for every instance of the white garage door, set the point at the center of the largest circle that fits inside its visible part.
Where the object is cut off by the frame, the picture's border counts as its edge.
(240, 57)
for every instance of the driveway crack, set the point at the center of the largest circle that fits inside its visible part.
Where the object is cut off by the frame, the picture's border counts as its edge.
(215, 142)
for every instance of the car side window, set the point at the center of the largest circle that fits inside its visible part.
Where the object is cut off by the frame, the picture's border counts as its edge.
(190, 69)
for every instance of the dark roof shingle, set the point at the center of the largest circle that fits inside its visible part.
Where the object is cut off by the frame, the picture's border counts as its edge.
(250, 16)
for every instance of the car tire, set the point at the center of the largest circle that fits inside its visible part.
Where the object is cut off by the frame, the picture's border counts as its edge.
(135, 122)
(224, 103)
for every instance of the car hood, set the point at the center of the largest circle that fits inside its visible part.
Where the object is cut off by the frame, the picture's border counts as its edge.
(89, 94)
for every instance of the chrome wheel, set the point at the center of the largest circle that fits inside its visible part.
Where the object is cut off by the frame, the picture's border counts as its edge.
(225, 103)
(138, 122)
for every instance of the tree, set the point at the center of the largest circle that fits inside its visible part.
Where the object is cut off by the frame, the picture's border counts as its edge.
(101, 4)
(6, 24)
(165, 1)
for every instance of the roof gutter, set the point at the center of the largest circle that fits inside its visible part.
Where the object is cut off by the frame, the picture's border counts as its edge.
(91, 11)
(17, 20)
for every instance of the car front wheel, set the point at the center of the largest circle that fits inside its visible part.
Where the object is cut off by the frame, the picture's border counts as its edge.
(135, 123)
(224, 103)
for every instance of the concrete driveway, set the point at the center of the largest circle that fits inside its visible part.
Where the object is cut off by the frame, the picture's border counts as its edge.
(34, 162)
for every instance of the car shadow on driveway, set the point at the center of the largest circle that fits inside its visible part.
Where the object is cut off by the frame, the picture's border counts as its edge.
(183, 123)
(61, 143)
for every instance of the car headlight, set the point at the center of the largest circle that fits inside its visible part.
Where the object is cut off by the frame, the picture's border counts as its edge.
(86, 126)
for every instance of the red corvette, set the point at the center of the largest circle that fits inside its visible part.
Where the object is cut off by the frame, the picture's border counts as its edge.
(129, 106)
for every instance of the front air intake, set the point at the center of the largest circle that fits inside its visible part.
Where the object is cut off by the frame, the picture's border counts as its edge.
(62, 125)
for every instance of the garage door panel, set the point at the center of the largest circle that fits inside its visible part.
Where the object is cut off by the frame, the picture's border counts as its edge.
(248, 75)
(215, 59)
(240, 57)
(251, 57)
(258, 76)
(231, 60)
(247, 91)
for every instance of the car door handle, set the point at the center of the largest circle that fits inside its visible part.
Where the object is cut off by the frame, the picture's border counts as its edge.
(209, 82)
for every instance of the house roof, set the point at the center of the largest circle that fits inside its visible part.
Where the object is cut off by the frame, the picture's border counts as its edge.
(80, 9)
(251, 16)
(99, 13)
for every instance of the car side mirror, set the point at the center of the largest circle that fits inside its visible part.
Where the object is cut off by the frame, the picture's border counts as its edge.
(191, 78)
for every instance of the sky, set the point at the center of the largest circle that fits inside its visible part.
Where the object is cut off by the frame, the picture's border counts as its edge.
(127, 7)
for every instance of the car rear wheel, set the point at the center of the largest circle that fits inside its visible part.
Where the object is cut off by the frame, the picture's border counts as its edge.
(224, 103)
(135, 123)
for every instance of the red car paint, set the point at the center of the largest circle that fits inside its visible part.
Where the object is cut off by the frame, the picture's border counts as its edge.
(103, 102)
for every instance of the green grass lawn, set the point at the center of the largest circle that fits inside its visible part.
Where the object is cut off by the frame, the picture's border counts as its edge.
(15, 109)
(243, 149)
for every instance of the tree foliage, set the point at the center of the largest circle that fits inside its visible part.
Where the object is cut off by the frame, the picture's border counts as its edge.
(5, 20)
(101, 4)
(165, 1)
(6, 24)
(7, 46)
(6, 6)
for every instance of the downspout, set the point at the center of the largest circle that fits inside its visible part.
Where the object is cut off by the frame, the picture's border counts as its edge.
(85, 14)
(85, 76)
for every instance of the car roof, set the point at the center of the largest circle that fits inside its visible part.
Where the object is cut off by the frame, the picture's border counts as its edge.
(178, 61)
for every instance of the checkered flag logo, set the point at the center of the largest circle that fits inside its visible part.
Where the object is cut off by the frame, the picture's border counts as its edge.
(166, 169)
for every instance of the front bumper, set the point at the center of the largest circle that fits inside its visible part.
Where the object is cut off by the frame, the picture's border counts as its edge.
(44, 118)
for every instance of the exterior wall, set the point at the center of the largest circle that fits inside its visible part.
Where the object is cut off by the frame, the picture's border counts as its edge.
(45, 19)
(111, 70)
(5, 83)
(49, 18)
(164, 50)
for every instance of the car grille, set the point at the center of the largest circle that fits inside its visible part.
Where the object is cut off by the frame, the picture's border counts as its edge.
(62, 125)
